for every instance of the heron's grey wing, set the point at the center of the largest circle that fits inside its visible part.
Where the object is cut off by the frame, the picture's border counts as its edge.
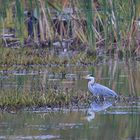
(98, 90)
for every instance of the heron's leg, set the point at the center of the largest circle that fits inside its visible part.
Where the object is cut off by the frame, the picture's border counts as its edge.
(101, 98)
(96, 99)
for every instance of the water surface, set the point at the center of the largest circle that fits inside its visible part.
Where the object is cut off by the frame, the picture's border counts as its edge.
(111, 124)
(119, 120)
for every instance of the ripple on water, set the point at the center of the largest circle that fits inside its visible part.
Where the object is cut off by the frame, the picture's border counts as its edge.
(124, 110)
(70, 125)
(41, 137)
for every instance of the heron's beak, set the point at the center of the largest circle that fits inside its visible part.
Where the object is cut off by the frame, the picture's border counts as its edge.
(85, 77)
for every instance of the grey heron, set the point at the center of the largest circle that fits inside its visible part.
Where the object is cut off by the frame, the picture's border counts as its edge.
(99, 90)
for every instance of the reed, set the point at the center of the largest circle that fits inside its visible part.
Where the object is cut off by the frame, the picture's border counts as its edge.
(110, 24)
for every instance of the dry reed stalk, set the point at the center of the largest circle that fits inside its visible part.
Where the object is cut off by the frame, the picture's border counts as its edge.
(45, 26)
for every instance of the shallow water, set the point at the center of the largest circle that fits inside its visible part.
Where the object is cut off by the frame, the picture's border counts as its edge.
(117, 120)
(112, 124)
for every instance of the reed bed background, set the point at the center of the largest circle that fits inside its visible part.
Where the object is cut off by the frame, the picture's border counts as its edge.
(97, 23)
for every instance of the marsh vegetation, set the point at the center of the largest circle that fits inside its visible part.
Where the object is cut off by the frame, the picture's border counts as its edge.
(47, 46)
(100, 24)
(53, 37)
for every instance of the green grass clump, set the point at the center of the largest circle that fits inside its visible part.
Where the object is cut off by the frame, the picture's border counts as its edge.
(24, 57)
(17, 99)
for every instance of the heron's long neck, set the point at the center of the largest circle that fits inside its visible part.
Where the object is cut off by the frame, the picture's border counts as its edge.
(92, 81)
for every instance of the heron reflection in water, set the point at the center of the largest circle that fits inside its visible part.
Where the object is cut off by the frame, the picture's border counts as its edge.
(97, 106)
(99, 90)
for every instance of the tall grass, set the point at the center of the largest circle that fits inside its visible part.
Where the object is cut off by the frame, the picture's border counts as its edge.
(87, 7)
(107, 23)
